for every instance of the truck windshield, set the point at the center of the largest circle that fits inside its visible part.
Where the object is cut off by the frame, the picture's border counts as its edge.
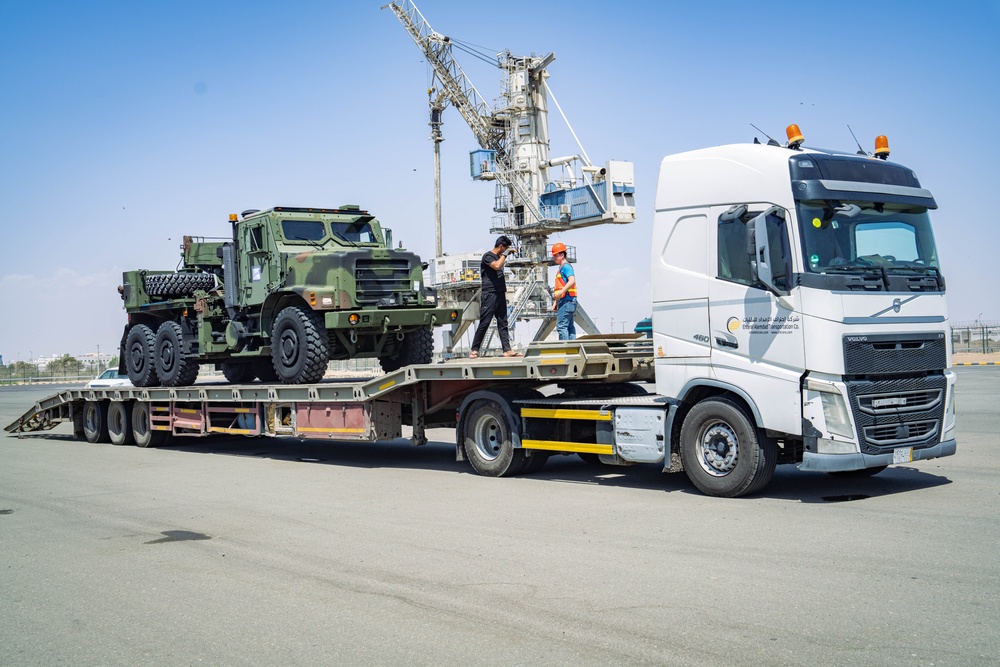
(354, 232)
(866, 237)
(303, 230)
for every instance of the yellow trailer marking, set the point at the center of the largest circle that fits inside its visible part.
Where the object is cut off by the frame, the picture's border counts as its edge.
(501, 372)
(387, 385)
(330, 430)
(561, 446)
(574, 350)
(561, 413)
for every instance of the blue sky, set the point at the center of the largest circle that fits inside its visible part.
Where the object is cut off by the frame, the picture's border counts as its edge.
(124, 126)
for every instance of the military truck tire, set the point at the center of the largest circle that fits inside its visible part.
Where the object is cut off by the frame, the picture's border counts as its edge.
(486, 437)
(178, 284)
(143, 435)
(417, 347)
(173, 365)
(265, 370)
(723, 452)
(120, 423)
(140, 345)
(95, 421)
(300, 348)
(239, 373)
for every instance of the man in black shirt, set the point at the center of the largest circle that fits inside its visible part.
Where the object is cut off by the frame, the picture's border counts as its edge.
(494, 297)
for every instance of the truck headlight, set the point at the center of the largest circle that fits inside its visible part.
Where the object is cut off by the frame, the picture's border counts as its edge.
(950, 417)
(827, 446)
(838, 421)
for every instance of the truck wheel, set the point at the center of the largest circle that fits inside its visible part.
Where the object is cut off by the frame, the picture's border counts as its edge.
(120, 423)
(143, 435)
(723, 452)
(487, 441)
(173, 365)
(417, 347)
(300, 348)
(140, 346)
(95, 421)
(178, 284)
(238, 373)
(264, 370)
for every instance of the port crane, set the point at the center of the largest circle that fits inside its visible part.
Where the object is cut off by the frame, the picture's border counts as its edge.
(536, 195)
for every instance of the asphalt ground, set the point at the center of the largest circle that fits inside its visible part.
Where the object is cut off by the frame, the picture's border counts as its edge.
(236, 551)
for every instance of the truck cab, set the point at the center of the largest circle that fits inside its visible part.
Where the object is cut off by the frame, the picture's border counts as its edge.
(804, 287)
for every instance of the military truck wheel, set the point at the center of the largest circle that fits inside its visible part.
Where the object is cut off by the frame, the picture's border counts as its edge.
(238, 373)
(300, 348)
(178, 284)
(140, 346)
(173, 365)
(120, 423)
(95, 421)
(143, 435)
(486, 437)
(265, 370)
(417, 347)
(723, 452)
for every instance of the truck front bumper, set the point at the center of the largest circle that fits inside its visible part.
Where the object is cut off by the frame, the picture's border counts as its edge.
(843, 462)
(389, 320)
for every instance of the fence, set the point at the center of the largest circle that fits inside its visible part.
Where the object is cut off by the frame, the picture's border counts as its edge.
(977, 336)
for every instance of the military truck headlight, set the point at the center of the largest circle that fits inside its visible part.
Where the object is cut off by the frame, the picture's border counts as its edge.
(327, 301)
(454, 315)
(354, 319)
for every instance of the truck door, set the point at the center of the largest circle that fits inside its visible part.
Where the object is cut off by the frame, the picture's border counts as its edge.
(254, 264)
(752, 332)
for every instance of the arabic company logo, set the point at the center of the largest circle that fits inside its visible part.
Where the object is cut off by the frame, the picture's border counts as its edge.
(896, 305)
(733, 324)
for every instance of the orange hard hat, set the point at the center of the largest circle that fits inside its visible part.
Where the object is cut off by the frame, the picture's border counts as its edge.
(558, 248)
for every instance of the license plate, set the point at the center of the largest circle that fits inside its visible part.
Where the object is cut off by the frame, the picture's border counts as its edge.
(902, 455)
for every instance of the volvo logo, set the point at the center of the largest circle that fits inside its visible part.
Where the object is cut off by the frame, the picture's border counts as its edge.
(896, 305)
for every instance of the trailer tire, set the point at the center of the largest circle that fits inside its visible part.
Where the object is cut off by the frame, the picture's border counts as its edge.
(417, 347)
(486, 437)
(300, 348)
(140, 362)
(120, 423)
(95, 421)
(238, 373)
(723, 452)
(264, 370)
(174, 365)
(143, 435)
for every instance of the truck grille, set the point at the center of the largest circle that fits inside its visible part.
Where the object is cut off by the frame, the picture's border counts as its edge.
(377, 279)
(894, 353)
(899, 412)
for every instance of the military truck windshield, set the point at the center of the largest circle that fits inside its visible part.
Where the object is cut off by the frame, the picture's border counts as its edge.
(303, 230)
(355, 232)
(866, 239)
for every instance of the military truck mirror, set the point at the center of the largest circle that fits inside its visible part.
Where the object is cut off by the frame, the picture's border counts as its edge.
(388, 237)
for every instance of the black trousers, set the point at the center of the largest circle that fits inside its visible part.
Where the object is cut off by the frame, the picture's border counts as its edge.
(492, 305)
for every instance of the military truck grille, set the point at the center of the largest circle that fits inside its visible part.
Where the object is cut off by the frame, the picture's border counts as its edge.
(894, 353)
(903, 412)
(377, 279)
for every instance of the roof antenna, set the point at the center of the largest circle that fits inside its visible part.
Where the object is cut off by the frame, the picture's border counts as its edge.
(861, 151)
(770, 139)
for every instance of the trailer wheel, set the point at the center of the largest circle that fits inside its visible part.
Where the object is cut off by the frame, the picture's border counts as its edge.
(120, 423)
(173, 365)
(417, 347)
(95, 421)
(264, 370)
(238, 373)
(140, 346)
(723, 452)
(486, 436)
(143, 435)
(300, 348)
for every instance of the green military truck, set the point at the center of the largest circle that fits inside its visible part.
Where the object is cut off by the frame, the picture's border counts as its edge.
(292, 289)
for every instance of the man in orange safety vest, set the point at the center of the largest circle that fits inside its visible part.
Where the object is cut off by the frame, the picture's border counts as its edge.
(564, 296)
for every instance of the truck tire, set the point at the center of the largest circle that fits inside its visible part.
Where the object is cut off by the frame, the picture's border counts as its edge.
(723, 452)
(178, 284)
(95, 421)
(120, 423)
(140, 346)
(174, 366)
(486, 437)
(264, 370)
(143, 435)
(300, 348)
(417, 347)
(239, 373)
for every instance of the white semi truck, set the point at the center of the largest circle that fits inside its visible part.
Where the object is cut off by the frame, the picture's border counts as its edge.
(798, 318)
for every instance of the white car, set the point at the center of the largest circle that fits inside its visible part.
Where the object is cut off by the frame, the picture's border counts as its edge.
(109, 378)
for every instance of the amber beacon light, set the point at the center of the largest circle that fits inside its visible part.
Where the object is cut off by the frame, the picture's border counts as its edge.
(882, 147)
(795, 138)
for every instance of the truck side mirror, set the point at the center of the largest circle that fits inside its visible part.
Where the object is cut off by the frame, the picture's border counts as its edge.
(758, 247)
